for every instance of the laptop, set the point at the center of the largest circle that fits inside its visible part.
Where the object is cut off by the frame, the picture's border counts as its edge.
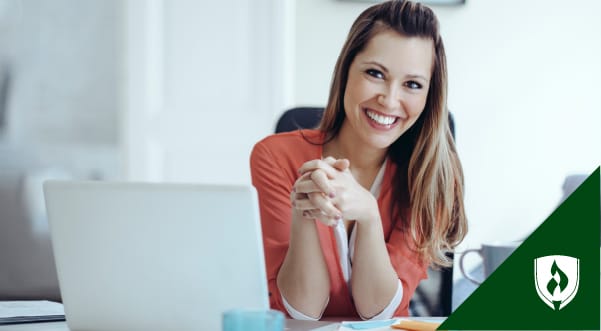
(155, 256)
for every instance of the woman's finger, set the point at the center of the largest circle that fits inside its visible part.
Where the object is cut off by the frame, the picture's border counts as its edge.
(329, 160)
(321, 181)
(303, 203)
(319, 201)
(315, 214)
(317, 164)
(341, 164)
(303, 184)
(310, 186)
(314, 181)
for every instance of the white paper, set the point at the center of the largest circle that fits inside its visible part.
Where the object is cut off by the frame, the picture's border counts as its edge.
(30, 308)
(331, 327)
(371, 325)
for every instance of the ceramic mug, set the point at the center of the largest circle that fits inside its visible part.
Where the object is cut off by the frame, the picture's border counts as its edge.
(253, 319)
(492, 256)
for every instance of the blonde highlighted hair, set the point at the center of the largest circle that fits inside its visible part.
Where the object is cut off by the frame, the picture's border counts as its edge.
(428, 185)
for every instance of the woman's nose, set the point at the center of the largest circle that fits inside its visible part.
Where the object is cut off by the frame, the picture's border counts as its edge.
(390, 97)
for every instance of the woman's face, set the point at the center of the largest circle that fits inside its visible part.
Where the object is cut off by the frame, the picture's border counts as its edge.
(387, 88)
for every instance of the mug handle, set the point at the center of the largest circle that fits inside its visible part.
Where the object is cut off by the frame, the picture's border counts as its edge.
(465, 274)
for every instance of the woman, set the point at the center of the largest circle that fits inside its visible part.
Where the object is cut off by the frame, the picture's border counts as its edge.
(354, 212)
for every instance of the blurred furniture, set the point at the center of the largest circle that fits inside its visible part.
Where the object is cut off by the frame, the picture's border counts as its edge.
(570, 184)
(299, 118)
(433, 296)
(463, 288)
(27, 270)
(5, 79)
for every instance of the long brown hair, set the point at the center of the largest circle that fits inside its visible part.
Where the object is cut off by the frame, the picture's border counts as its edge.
(428, 186)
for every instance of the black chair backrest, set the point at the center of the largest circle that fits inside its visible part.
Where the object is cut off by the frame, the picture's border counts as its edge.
(433, 296)
(299, 118)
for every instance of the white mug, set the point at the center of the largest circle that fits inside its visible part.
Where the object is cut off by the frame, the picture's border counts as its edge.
(492, 256)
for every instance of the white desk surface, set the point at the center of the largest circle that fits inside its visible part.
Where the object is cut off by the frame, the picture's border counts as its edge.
(291, 325)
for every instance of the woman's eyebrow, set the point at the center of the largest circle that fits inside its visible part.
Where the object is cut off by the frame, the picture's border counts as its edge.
(377, 64)
(414, 76)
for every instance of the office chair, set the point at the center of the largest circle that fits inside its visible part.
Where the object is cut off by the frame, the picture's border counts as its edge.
(433, 296)
(299, 118)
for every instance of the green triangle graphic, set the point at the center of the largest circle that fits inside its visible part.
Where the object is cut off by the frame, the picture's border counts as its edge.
(509, 299)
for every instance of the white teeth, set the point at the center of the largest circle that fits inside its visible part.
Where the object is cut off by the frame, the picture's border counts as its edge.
(380, 119)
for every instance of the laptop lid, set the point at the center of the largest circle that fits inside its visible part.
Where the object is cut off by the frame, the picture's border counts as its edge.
(155, 256)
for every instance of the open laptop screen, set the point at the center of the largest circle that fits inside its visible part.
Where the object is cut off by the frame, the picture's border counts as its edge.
(155, 256)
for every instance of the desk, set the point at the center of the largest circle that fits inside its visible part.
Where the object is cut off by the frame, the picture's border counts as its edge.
(291, 325)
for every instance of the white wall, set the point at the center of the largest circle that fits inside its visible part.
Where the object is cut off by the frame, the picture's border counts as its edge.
(62, 109)
(524, 88)
(203, 85)
(64, 93)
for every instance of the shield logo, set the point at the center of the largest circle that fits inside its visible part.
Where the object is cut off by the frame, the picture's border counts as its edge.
(556, 278)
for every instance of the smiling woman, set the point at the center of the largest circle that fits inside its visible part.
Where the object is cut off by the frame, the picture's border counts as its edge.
(354, 212)
(387, 88)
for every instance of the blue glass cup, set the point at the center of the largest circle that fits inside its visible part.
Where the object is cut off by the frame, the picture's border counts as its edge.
(253, 320)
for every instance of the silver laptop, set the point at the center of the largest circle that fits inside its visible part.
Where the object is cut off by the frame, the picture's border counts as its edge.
(144, 256)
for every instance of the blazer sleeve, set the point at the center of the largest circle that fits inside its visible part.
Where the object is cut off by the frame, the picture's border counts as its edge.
(273, 190)
(407, 266)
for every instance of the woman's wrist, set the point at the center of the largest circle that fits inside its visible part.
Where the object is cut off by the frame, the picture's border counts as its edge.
(372, 212)
(300, 222)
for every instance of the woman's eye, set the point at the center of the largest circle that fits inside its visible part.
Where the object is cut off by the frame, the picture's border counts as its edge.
(375, 73)
(413, 85)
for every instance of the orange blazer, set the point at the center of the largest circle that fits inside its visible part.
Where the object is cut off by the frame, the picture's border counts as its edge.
(274, 162)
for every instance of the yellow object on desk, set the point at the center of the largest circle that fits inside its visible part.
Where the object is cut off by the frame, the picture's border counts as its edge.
(415, 325)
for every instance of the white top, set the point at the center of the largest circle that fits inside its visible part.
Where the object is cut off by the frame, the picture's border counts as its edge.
(346, 248)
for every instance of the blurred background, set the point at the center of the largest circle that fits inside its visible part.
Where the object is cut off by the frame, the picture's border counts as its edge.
(180, 90)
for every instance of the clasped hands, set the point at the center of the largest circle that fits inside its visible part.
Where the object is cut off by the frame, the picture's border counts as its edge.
(327, 191)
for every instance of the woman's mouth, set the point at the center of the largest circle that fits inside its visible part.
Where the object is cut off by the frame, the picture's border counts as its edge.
(380, 120)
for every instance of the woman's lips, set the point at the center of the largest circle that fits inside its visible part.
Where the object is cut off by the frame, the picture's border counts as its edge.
(380, 121)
